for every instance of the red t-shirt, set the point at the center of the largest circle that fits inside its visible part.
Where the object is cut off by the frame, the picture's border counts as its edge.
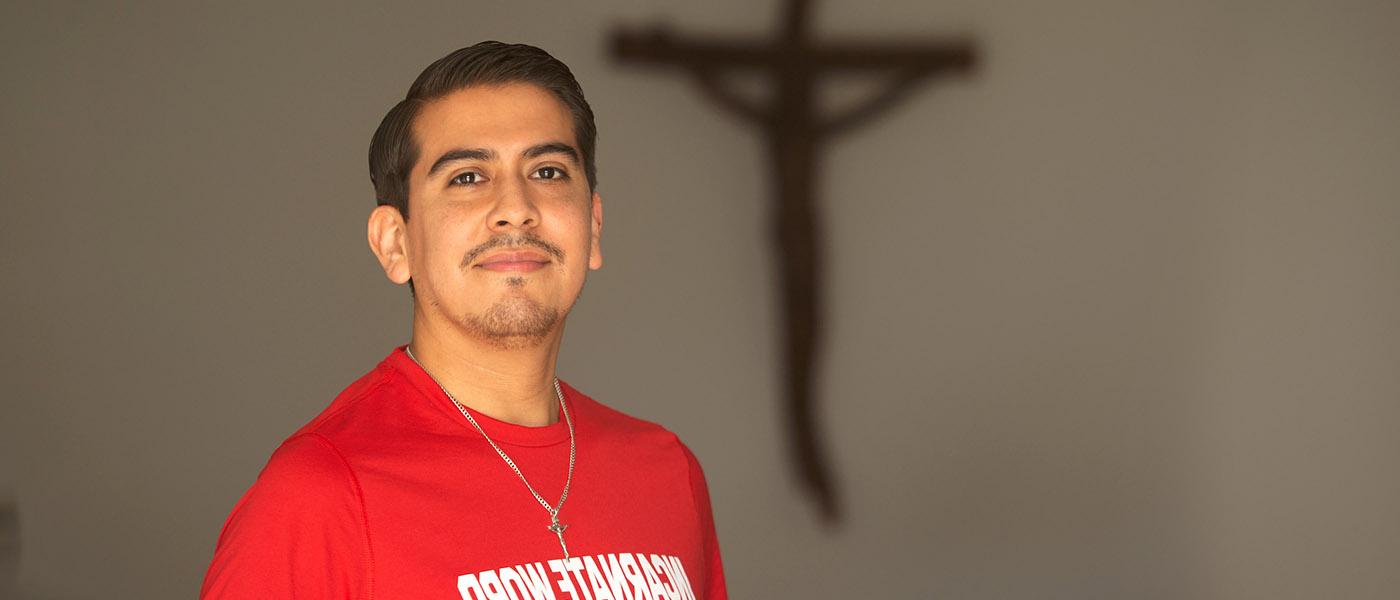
(390, 493)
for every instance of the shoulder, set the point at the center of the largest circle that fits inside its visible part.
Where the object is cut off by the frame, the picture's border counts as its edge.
(304, 514)
(640, 438)
(617, 424)
(309, 471)
(378, 408)
(360, 396)
(306, 478)
(310, 460)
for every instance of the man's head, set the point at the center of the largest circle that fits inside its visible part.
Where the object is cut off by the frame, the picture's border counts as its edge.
(393, 150)
(491, 154)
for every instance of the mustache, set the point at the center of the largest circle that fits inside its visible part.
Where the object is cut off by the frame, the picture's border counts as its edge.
(513, 241)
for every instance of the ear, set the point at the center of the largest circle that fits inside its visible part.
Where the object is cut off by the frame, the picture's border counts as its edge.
(388, 240)
(595, 252)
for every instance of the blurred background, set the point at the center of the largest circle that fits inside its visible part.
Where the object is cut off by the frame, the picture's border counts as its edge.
(1118, 316)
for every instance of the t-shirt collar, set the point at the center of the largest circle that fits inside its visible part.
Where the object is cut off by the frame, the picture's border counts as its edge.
(498, 430)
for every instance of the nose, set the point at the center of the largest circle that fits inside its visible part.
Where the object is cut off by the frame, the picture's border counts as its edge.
(514, 208)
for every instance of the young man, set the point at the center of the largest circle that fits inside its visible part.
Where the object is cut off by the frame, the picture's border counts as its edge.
(460, 467)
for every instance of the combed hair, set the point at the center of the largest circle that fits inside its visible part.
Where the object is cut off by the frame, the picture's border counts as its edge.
(393, 151)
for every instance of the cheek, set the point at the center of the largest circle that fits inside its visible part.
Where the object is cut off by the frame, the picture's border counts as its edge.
(578, 224)
(439, 249)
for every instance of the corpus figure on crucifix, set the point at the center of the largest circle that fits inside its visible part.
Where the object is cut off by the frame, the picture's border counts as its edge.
(793, 130)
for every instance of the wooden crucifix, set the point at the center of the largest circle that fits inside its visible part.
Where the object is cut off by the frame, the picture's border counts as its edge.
(794, 130)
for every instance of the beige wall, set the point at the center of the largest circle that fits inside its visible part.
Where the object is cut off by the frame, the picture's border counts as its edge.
(1114, 319)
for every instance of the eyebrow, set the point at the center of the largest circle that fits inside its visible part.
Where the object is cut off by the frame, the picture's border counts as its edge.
(457, 154)
(535, 151)
(539, 150)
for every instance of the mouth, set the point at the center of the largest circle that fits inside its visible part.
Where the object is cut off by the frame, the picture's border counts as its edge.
(514, 262)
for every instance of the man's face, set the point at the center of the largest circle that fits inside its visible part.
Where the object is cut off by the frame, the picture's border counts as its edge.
(502, 227)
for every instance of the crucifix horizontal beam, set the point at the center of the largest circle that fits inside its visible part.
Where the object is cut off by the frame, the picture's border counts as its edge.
(661, 47)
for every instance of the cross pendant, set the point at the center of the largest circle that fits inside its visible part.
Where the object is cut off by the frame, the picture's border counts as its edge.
(558, 529)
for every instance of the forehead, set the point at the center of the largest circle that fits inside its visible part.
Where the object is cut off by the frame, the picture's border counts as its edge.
(503, 118)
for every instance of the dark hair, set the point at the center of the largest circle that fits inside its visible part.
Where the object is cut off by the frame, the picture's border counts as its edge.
(393, 151)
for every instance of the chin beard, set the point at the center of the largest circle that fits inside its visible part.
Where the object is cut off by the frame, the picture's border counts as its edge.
(513, 324)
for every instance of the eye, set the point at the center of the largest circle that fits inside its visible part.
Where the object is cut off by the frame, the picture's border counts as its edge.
(550, 173)
(466, 178)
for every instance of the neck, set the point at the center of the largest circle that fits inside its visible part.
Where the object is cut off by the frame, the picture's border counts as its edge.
(503, 381)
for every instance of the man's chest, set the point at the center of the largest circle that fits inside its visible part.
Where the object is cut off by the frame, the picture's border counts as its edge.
(465, 527)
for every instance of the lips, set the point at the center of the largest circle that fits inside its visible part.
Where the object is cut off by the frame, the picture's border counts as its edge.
(524, 260)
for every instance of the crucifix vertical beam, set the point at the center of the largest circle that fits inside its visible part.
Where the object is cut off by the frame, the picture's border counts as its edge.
(794, 130)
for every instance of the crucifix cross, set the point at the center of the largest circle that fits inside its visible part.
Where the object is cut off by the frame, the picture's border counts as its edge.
(793, 130)
(558, 529)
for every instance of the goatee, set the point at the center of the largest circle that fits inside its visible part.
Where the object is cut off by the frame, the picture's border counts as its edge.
(513, 323)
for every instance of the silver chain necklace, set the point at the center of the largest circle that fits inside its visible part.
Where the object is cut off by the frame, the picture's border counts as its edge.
(554, 525)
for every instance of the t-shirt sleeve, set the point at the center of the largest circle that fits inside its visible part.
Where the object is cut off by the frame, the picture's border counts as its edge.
(712, 587)
(299, 532)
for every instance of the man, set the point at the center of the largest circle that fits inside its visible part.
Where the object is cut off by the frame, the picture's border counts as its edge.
(460, 467)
